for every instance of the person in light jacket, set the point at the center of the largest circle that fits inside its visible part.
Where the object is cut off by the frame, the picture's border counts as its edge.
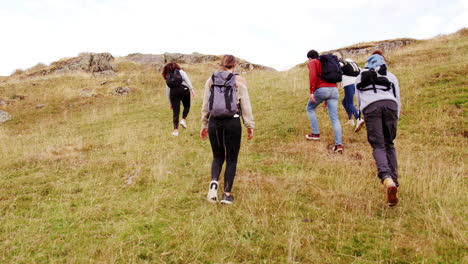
(378, 94)
(225, 133)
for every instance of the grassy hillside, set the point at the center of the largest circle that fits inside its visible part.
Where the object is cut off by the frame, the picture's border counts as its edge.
(100, 179)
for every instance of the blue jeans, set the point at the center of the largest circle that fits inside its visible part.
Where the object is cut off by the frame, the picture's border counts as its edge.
(348, 101)
(329, 94)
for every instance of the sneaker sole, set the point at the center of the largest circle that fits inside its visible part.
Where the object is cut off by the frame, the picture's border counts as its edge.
(183, 125)
(226, 202)
(212, 196)
(312, 138)
(392, 198)
(359, 127)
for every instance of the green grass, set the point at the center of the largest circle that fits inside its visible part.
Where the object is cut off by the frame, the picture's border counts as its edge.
(63, 173)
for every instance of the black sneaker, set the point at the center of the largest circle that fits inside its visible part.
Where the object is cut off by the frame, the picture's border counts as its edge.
(227, 199)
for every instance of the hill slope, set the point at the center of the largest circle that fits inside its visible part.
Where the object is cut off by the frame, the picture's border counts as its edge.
(100, 178)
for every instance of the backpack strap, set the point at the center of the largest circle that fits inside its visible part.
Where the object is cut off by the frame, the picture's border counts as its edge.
(211, 92)
(228, 92)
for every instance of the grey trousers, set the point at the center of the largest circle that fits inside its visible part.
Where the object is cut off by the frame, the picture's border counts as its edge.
(381, 124)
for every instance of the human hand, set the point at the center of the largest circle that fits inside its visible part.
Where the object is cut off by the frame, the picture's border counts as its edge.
(250, 133)
(203, 133)
(312, 98)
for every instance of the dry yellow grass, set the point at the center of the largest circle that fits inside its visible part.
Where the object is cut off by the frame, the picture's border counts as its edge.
(100, 179)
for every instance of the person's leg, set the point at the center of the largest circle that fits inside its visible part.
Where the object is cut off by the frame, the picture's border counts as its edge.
(175, 103)
(332, 103)
(232, 141)
(345, 101)
(349, 93)
(390, 116)
(215, 131)
(311, 111)
(375, 136)
(186, 102)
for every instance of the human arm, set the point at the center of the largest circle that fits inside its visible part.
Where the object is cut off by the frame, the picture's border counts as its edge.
(205, 113)
(312, 76)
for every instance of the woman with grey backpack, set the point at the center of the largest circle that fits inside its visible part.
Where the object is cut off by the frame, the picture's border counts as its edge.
(225, 101)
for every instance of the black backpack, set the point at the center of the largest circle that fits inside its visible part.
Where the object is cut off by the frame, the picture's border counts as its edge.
(331, 69)
(350, 68)
(174, 80)
(370, 78)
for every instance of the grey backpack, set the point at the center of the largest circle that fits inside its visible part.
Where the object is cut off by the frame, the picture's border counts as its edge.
(223, 98)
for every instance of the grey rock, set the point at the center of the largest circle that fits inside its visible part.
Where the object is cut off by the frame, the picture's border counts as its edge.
(158, 60)
(122, 90)
(100, 63)
(147, 59)
(365, 50)
(39, 106)
(4, 116)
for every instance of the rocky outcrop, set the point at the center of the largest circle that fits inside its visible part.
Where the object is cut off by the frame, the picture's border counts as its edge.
(147, 59)
(4, 116)
(190, 58)
(365, 49)
(251, 66)
(159, 60)
(100, 64)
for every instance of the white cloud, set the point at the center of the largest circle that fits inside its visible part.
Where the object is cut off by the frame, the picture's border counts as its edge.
(427, 26)
(461, 19)
(274, 33)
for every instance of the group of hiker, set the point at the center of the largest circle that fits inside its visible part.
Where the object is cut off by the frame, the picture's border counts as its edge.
(226, 100)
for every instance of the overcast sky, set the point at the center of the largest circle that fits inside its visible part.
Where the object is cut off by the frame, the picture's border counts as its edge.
(272, 33)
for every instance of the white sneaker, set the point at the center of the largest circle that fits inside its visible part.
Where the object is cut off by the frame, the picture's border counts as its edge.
(359, 124)
(350, 122)
(212, 196)
(183, 123)
(175, 133)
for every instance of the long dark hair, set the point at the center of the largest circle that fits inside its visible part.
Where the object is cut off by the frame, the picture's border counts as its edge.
(168, 68)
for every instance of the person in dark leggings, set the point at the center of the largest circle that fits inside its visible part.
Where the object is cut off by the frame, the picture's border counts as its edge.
(225, 133)
(181, 93)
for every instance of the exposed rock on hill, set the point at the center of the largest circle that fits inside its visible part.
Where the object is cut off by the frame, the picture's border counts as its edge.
(365, 49)
(148, 59)
(100, 63)
(4, 116)
(158, 60)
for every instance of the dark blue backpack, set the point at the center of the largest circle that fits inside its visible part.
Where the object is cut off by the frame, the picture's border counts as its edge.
(331, 69)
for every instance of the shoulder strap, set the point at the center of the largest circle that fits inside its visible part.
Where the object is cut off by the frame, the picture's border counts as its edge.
(211, 93)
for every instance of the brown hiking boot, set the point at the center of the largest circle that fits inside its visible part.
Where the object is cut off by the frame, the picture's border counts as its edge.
(391, 188)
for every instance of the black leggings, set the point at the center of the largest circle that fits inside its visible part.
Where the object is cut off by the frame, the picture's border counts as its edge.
(225, 139)
(175, 97)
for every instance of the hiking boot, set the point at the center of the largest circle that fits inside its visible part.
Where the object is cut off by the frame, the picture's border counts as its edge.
(175, 133)
(313, 137)
(391, 189)
(212, 196)
(227, 199)
(359, 124)
(183, 123)
(350, 122)
(338, 149)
